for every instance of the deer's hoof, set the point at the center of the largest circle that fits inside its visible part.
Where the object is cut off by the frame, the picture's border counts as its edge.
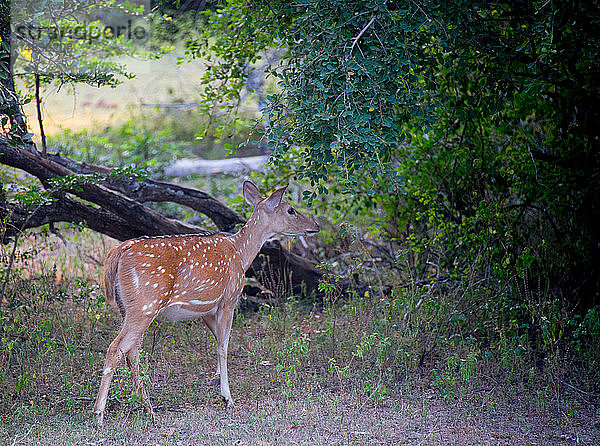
(228, 402)
(215, 381)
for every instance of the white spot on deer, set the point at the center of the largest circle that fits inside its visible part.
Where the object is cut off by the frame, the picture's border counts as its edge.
(155, 285)
(107, 370)
(135, 278)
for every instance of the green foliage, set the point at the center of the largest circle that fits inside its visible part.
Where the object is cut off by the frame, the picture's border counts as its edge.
(289, 358)
(347, 92)
(63, 43)
(586, 339)
(469, 123)
(28, 196)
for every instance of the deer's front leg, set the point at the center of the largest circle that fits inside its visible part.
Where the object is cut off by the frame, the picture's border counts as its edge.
(224, 320)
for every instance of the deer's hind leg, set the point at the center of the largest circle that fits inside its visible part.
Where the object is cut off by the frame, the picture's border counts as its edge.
(129, 338)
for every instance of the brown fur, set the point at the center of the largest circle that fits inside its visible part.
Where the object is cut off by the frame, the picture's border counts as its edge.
(187, 277)
(111, 266)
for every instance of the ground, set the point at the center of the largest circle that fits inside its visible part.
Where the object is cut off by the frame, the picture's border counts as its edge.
(418, 420)
(314, 408)
(296, 377)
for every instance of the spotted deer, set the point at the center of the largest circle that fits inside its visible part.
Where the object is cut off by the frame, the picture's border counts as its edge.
(186, 277)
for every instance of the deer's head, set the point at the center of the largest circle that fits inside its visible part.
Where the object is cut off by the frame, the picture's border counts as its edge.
(279, 216)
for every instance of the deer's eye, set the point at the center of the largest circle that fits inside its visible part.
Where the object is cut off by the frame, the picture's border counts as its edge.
(291, 211)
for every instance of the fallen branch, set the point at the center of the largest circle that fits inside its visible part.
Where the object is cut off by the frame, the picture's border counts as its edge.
(231, 166)
(147, 190)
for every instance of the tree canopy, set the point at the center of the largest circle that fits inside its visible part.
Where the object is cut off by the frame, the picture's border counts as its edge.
(474, 123)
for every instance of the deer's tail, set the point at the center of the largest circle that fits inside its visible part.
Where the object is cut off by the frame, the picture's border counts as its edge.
(112, 289)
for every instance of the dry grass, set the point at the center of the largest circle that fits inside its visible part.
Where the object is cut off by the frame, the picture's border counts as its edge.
(87, 107)
(327, 419)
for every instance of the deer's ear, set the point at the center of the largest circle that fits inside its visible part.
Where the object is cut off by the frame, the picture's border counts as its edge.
(275, 198)
(251, 193)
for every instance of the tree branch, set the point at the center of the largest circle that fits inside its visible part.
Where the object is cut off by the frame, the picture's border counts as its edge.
(148, 221)
(148, 190)
(38, 107)
(362, 31)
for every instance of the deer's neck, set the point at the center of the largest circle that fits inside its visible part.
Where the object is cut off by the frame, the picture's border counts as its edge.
(250, 239)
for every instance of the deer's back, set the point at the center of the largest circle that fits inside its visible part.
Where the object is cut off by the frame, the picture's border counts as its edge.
(180, 277)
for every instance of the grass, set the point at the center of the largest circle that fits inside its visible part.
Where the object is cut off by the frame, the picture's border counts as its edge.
(365, 370)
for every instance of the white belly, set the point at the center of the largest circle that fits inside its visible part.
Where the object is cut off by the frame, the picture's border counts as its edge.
(175, 313)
